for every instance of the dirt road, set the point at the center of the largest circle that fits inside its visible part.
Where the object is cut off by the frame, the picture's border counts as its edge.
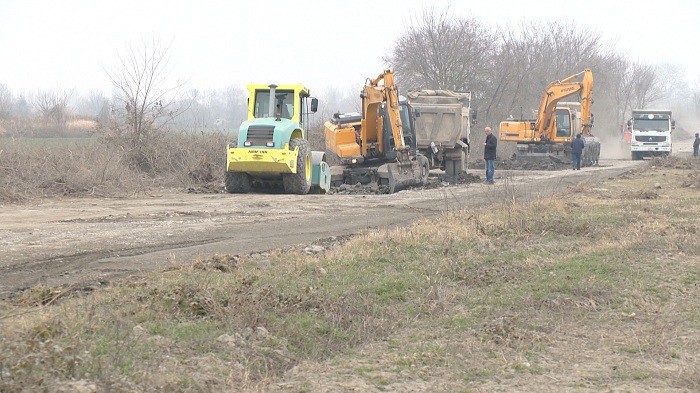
(85, 242)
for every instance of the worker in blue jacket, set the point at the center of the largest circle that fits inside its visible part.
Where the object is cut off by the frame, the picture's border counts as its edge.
(576, 151)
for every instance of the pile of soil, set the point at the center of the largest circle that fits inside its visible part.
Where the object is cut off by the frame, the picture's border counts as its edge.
(433, 182)
(693, 180)
(543, 164)
(359, 189)
(462, 178)
(674, 162)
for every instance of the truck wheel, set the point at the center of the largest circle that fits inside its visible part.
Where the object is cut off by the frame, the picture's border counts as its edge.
(300, 182)
(635, 156)
(454, 168)
(237, 182)
(424, 168)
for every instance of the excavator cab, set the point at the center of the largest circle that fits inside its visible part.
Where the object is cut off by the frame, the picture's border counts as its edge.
(564, 129)
(408, 122)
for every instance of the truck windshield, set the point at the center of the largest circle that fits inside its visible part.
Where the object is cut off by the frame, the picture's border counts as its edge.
(262, 103)
(641, 124)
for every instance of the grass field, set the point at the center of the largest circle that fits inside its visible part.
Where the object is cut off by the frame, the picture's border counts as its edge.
(595, 290)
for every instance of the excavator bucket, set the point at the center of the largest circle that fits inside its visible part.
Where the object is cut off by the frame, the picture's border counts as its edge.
(411, 173)
(401, 176)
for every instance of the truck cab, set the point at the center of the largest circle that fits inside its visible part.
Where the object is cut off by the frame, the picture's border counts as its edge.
(651, 131)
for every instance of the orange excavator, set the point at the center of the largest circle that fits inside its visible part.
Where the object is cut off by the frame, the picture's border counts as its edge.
(377, 145)
(557, 123)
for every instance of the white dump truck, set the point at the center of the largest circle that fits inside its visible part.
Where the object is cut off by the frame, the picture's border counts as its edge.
(443, 123)
(651, 132)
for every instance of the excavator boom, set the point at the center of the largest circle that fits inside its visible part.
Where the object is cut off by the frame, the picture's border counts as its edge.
(586, 103)
(374, 95)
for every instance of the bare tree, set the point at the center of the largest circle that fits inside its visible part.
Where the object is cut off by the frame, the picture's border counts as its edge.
(441, 52)
(217, 110)
(672, 83)
(91, 105)
(6, 102)
(146, 100)
(645, 85)
(696, 97)
(619, 87)
(53, 107)
(505, 69)
(532, 55)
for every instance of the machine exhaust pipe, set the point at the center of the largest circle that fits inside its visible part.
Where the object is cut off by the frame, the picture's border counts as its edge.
(271, 110)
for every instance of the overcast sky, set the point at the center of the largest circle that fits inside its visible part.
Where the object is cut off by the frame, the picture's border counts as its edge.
(64, 44)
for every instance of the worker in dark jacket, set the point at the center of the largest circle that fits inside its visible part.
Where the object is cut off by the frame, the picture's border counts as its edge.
(490, 155)
(576, 151)
(696, 145)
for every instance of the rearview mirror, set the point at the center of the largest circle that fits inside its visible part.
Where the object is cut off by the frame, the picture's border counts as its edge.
(472, 114)
(314, 104)
(673, 124)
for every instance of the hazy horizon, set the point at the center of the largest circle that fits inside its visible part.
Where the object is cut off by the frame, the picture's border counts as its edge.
(215, 44)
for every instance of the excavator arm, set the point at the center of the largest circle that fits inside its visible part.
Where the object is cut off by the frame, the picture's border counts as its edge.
(373, 96)
(586, 102)
(393, 108)
(557, 91)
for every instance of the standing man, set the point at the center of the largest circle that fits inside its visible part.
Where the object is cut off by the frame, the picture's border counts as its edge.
(576, 151)
(696, 145)
(490, 155)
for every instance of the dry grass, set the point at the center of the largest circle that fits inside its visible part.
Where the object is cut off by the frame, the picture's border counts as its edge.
(594, 289)
(107, 168)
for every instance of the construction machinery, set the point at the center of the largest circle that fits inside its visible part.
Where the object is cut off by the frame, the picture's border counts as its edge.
(443, 128)
(377, 145)
(549, 136)
(272, 151)
(650, 131)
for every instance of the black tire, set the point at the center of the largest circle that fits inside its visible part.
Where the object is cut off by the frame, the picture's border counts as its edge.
(454, 168)
(635, 156)
(300, 182)
(424, 168)
(237, 183)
